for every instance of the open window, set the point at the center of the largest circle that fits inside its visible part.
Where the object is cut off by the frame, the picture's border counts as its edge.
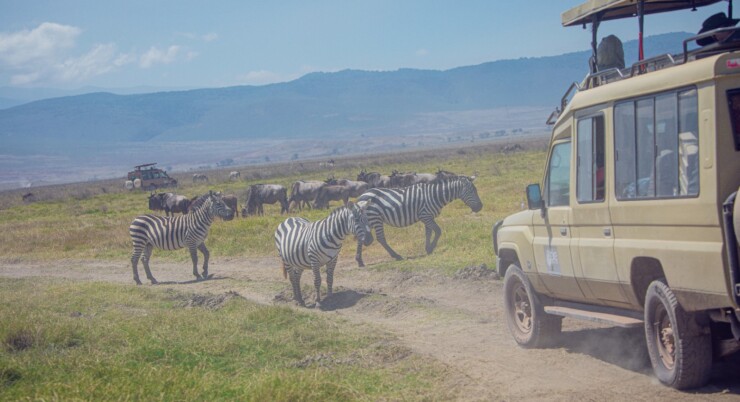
(590, 169)
(558, 175)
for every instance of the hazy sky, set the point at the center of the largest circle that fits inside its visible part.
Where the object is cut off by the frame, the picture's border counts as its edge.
(117, 44)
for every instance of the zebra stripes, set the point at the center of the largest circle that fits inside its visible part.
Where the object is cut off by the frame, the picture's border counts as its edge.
(302, 245)
(172, 233)
(402, 207)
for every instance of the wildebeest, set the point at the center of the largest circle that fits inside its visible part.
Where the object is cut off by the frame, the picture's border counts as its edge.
(169, 203)
(356, 188)
(401, 179)
(231, 201)
(200, 177)
(234, 175)
(29, 198)
(331, 193)
(303, 192)
(374, 179)
(259, 194)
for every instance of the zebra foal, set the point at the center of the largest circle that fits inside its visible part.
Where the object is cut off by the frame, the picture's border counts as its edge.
(401, 207)
(310, 245)
(172, 233)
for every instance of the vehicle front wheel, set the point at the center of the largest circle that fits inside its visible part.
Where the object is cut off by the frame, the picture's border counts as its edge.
(680, 348)
(528, 323)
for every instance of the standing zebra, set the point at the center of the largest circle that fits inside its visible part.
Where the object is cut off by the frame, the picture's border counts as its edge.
(402, 207)
(302, 245)
(172, 233)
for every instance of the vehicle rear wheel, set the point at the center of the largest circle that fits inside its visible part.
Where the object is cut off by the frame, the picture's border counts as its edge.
(680, 348)
(528, 323)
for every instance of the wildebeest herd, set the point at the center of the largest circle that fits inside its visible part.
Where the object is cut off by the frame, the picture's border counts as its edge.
(398, 199)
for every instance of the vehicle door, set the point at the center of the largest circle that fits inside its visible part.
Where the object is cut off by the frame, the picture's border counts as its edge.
(552, 235)
(592, 238)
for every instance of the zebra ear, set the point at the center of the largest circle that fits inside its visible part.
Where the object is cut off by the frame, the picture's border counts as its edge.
(362, 204)
(472, 178)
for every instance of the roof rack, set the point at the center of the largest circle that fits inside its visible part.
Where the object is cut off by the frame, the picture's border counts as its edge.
(138, 167)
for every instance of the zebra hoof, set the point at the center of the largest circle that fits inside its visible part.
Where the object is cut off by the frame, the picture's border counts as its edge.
(398, 257)
(154, 281)
(138, 282)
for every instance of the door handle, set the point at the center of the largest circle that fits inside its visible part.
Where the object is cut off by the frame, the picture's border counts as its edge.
(563, 231)
(607, 232)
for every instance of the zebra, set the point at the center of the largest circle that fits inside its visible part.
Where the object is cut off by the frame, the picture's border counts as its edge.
(401, 207)
(302, 245)
(172, 233)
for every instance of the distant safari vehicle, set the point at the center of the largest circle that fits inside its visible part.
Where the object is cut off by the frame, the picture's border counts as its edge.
(149, 178)
(635, 222)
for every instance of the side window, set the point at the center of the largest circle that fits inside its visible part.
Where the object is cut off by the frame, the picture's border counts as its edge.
(590, 167)
(558, 176)
(656, 147)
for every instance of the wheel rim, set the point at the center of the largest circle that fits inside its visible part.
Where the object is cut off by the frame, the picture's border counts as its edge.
(522, 308)
(664, 337)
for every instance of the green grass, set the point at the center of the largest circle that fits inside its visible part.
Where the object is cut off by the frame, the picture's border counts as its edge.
(100, 341)
(88, 225)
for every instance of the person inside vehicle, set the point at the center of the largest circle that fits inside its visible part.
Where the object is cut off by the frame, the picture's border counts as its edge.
(717, 21)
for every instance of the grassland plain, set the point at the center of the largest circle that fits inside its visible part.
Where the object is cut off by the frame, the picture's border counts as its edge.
(74, 327)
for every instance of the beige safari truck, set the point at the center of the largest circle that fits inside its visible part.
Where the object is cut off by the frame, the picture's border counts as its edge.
(635, 223)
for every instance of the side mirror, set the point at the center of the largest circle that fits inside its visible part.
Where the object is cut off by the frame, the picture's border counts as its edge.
(534, 197)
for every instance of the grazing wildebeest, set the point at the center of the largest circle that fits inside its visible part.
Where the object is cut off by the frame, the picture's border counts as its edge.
(231, 201)
(400, 179)
(303, 192)
(331, 193)
(29, 198)
(169, 203)
(200, 177)
(172, 233)
(421, 202)
(259, 194)
(445, 175)
(310, 245)
(374, 179)
(356, 188)
(234, 175)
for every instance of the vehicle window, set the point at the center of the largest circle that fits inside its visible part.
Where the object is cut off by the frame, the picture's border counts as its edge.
(656, 146)
(590, 168)
(733, 101)
(558, 176)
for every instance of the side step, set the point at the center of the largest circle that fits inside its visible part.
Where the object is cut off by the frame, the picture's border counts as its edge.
(595, 316)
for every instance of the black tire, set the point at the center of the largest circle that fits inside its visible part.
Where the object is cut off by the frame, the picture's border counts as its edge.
(528, 323)
(680, 348)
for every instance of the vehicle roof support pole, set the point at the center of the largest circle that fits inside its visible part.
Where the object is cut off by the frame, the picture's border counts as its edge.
(729, 9)
(641, 23)
(595, 21)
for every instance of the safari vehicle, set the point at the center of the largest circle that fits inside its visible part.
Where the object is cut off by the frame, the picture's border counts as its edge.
(635, 222)
(149, 178)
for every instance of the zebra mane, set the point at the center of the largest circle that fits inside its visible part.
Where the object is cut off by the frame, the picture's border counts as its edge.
(198, 203)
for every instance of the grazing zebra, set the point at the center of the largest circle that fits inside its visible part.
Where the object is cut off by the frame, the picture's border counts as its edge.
(402, 207)
(302, 245)
(172, 233)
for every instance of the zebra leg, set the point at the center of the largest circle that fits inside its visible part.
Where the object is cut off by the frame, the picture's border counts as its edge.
(317, 283)
(358, 255)
(194, 258)
(206, 256)
(431, 226)
(145, 260)
(295, 280)
(330, 276)
(380, 235)
(134, 263)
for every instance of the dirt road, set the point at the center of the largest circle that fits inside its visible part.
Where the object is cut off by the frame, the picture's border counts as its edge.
(457, 321)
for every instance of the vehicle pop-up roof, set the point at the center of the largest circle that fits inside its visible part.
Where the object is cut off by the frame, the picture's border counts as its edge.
(595, 11)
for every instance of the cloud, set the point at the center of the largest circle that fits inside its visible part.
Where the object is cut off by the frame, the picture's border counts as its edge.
(210, 37)
(39, 45)
(48, 53)
(156, 56)
(422, 52)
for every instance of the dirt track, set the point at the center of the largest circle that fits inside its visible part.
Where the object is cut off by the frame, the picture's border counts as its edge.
(459, 322)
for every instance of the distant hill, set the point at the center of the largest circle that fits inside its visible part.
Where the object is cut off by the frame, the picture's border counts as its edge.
(318, 104)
